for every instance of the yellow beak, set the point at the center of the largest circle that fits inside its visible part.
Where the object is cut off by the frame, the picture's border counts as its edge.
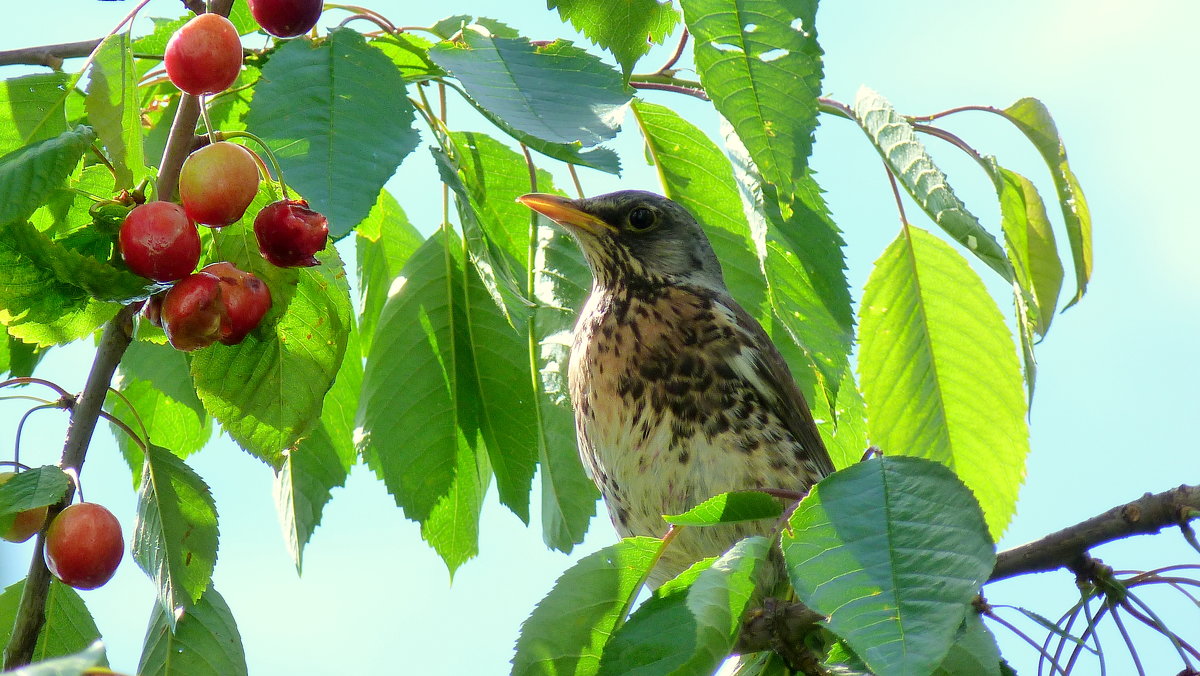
(564, 212)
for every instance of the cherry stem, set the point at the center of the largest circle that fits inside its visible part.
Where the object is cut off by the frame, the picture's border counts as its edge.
(21, 425)
(226, 135)
(208, 125)
(365, 13)
(128, 19)
(36, 381)
(134, 411)
(19, 466)
(575, 180)
(124, 428)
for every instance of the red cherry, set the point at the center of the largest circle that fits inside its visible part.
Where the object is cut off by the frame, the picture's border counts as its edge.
(152, 310)
(192, 312)
(204, 56)
(26, 523)
(286, 18)
(84, 545)
(217, 183)
(289, 233)
(246, 300)
(159, 241)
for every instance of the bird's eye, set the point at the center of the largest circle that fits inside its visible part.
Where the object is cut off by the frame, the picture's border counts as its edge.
(642, 218)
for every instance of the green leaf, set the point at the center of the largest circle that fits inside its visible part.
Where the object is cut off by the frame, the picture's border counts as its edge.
(321, 461)
(556, 92)
(626, 29)
(39, 309)
(336, 114)
(846, 439)
(183, 426)
(729, 508)
(1030, 241)
(493, 264)
(77, 664)
(1033, 119)
(502, 385)
(114, 110)
(30, 489)
(974, 652)
(30, 173)
(291, 358)
(32, 108)
(23, 357)
(384, 242)
(568, 629)
(897, 143)
(155, 44)
(892, 550)
(99, 279)
(689, 629)
(175, 537)
(748, 52)
(203, 642)
(409, 418)
(410, 54)
(939, 370)
(69, 627)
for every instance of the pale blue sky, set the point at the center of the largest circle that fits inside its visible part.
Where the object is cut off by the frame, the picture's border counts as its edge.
(1116, 392)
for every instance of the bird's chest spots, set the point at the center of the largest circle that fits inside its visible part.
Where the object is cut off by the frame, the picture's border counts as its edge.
(650, 393)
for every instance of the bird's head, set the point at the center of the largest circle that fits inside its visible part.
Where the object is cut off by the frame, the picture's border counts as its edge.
(635, 239)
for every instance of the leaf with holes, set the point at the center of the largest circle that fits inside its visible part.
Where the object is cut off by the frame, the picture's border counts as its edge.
(748, 52)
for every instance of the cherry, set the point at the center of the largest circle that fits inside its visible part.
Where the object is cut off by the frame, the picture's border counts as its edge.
(246, 299)
(152, 310)
(204, 56)
(159, 241)
(286, 18)
(289, 233)
(26, 523)
(192, 312)
(84, 545)
(217, 183)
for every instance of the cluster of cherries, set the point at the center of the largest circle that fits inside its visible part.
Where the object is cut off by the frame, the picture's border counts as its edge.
(217, 183)
(160, 241)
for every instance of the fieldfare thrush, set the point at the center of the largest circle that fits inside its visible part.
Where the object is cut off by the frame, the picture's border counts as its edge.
(679, 394)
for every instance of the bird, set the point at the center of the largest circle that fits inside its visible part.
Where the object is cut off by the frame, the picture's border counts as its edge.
(678, 392)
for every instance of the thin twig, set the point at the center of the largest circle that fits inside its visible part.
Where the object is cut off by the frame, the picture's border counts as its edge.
(896, 194)
(36, 381)
(666, 67)
(678, 89)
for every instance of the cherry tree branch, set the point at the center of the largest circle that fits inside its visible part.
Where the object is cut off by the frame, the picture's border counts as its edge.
(1146, 515)
(51, 56)
(118, 333)
(31, 614)
(786, 624)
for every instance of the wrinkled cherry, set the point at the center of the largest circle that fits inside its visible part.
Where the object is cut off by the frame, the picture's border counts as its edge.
(290, 234)
(246, 299)
(192, 312)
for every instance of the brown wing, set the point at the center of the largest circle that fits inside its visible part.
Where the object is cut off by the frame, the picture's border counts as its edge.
(773, 372)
